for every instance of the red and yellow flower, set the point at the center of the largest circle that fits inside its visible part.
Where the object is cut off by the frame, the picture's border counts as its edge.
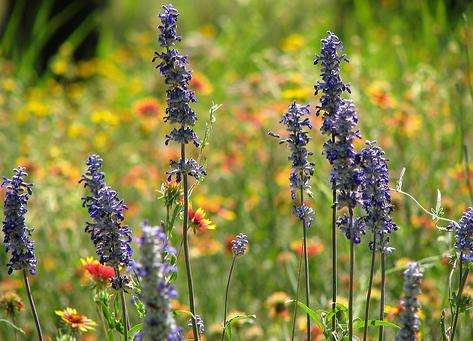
(76, 321)
(199, 222)
(100, 274)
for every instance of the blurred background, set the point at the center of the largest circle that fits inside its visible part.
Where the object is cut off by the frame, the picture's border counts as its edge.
(76, 77)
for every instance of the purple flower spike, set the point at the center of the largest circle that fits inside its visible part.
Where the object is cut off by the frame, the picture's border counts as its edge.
(17, 236)
(174, 68)
(375, 195)
(464, 235)
(110, 236)
(331, 86)
(298, 125)
(240, 244)
(409, 318)
(157, 292)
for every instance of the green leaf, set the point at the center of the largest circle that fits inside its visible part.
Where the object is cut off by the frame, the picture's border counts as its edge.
(174, 215)
(11, 325)
(340, 308)
(108, 315)
(359, 324)
(184, 313)
(135, 329)
(228, 325)
(443, 328)
(120, 327)
(313, 314)
(110, 335)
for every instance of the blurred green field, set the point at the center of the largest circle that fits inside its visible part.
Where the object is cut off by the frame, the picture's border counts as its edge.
(410, 73)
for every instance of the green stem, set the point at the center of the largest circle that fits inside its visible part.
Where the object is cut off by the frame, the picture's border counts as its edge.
(185, 242)
(352, 268)
(123, 303)
(334, 253)
(33, 308)
(226, 296)
(13, 319)
(383, 294)
(299, 271)
(449, 285)
(463, 278)
(168, 228)
(102, 321)
(370, 284)
(306, 268)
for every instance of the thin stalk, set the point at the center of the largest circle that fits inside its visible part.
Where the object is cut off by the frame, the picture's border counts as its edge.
(449, 285)
(185, 243)
(226, 296)
(102, 321)
(306, 270)
(383, 293)
(352, 267)
(370, 284)
(463, 278)
(33, 308)
(299, 271)
(123, 303)
(124, 313)
(334, 252)
(13, 319)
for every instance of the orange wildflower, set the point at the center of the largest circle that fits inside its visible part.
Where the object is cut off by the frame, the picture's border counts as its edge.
(205, 246)
(146, 108)
(379, 96)
(422, 221)
(200, 83)
(313, 247)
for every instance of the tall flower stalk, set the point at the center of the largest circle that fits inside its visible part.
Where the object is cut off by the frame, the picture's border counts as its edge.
(377, 207)
(464, 246)
(174, 68)
(239, 247)
(332, 87)
(410, 303)
(297, 125)
(108, 233)
(156, 291)
(17, 236)
(346, 176)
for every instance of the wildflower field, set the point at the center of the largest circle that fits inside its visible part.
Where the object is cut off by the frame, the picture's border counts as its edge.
(237, 170)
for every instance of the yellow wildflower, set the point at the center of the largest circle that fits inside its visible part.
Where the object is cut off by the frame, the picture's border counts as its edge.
(292, 43)
(105, 117)
(76, 321)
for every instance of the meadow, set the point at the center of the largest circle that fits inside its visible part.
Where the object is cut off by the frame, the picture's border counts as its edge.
(410, 76)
